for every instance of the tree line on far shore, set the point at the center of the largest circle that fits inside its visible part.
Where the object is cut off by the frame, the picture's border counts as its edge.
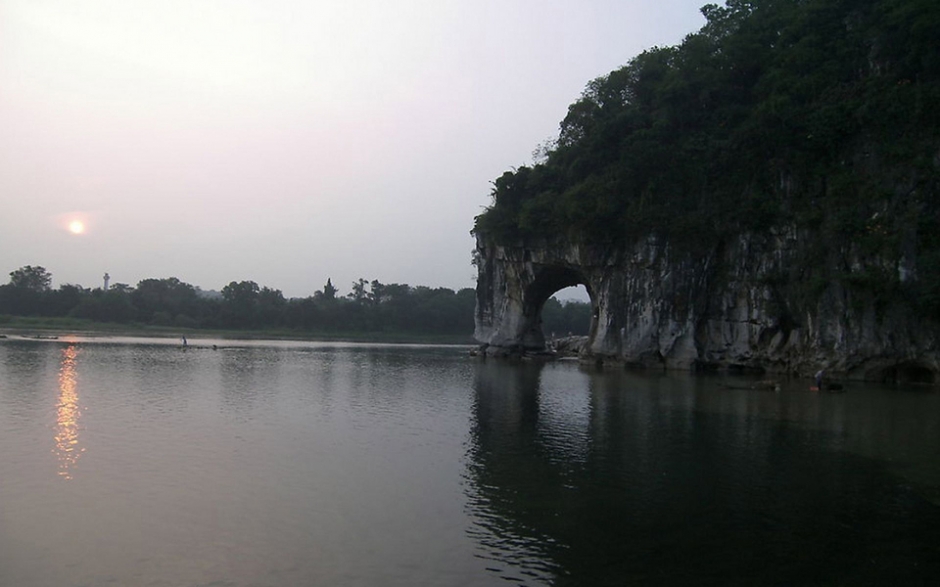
(370, 307)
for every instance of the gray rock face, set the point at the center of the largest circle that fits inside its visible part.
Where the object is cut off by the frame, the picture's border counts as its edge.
(756, 303)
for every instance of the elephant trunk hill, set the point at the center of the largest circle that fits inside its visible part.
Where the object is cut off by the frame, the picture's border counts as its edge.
(761, 197)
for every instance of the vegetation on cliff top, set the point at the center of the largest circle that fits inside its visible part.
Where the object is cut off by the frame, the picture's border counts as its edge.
(816, 114)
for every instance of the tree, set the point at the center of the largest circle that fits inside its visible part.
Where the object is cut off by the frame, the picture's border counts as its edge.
(376, 292)
(759, 119)
(27, 291)
(570, 317)
(111, 306)
(329, 292)
(358, 293)
(271, 307)
(65, 299)
(35, 279)
(302, 314)
(169, 295)
(240, 302)
(123, 288)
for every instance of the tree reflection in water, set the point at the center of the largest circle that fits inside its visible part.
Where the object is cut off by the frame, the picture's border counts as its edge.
(675, 481)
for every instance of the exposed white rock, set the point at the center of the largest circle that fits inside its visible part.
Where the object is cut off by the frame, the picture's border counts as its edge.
(738, 306)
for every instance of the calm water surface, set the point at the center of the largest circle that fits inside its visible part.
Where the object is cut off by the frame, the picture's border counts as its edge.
(137, 462)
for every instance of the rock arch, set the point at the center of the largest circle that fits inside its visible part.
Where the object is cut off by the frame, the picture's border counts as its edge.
(738, 305)
(546, 282)
(515, 281)
(512, 290)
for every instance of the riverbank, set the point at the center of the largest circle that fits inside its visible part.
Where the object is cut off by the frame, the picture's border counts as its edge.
(43, 327)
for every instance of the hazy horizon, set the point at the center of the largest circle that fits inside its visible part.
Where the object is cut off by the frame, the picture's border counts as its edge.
(284, 142)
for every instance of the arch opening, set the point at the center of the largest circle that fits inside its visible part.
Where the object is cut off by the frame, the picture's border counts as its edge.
(567, 312)
(551, 320)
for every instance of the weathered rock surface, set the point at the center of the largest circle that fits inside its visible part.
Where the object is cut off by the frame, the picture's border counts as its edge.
(568, 346)
(743, 305)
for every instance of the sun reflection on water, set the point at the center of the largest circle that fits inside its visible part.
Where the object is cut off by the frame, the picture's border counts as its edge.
(68, 412)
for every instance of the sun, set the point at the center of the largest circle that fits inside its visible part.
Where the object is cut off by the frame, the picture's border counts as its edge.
(76, 227)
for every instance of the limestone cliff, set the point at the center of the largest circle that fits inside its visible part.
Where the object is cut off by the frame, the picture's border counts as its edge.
(754, 303)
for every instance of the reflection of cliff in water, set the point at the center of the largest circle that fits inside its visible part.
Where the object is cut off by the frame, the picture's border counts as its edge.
(663, 481)
(503, 437)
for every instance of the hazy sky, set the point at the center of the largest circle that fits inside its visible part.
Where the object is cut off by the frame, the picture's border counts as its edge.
(285, 141)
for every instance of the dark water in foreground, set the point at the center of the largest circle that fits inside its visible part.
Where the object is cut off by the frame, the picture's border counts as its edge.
(132, 462)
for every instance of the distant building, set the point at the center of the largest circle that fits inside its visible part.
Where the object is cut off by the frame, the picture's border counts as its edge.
(107, 278)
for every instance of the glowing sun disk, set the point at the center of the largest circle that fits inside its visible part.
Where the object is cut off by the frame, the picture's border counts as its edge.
(76, 227)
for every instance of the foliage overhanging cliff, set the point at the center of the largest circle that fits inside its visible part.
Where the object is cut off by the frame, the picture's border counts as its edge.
(816, 114)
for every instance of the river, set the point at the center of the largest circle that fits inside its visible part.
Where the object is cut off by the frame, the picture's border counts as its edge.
(255, 463)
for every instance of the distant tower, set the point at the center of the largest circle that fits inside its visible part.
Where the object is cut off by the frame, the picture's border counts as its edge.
(107, 278)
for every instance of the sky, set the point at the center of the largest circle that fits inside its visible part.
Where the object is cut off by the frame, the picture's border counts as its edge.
(285, 141)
